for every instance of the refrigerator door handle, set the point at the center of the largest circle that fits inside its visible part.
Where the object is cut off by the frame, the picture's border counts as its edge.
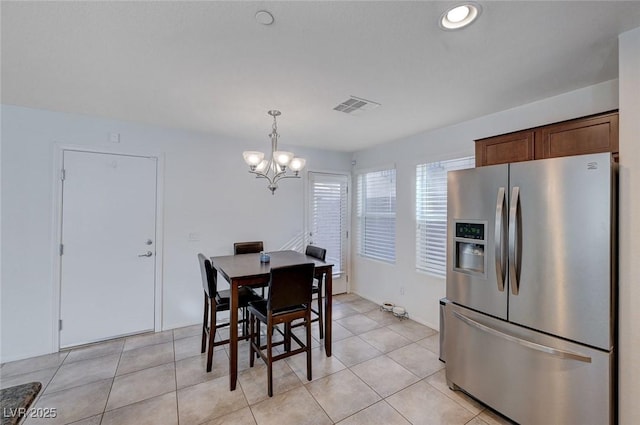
(513, 232)
(563, 354)
(499, 235)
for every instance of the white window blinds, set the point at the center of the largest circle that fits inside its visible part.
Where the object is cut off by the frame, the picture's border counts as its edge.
(328, 220)
(376, 212)
(431, 213)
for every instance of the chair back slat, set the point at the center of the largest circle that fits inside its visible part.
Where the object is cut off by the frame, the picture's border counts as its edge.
(290, 286)
(247, 247)
(209, 276)
(316, 252)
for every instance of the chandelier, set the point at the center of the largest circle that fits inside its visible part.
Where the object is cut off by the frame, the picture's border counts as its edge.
(275, 168)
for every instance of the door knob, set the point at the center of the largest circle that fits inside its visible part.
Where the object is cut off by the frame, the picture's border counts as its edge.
(147, 254)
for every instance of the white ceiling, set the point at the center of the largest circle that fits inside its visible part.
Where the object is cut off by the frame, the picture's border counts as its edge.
(208, 66)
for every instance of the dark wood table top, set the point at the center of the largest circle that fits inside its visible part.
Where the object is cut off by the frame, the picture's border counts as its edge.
(247, 266)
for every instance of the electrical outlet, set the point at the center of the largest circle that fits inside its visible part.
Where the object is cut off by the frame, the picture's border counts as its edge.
(114, 137)
(402, 290)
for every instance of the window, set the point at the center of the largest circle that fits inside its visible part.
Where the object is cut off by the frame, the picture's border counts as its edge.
(328, 217)
(376, 212)
(431, 213)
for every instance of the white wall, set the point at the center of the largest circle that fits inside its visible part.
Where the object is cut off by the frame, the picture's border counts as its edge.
(629, 213)
(207, 190)
(379, 281)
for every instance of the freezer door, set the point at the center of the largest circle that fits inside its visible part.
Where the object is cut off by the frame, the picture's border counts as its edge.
(530, 377)
(476, 239)
(560, 243)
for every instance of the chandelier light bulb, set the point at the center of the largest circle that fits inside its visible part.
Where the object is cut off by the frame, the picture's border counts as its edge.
(252, 158)
(283, 158)
(297, 164)
(262, 165)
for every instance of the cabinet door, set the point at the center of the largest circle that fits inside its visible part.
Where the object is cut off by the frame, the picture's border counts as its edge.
(513, 147)
(582, 136)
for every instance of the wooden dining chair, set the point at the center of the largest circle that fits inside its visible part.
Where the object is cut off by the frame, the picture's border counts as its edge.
(249, 248)
(216, 301)
(289, 299)
(320, 254)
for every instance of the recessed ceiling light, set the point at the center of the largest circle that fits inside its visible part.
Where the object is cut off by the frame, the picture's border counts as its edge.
(460, 16)
(264, 17)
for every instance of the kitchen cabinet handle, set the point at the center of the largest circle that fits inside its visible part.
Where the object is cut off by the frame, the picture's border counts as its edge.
(513, 240)
(499, 235)
(563, 354)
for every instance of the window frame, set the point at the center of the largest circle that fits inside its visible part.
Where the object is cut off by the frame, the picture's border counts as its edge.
(430, 217)
(364, 214)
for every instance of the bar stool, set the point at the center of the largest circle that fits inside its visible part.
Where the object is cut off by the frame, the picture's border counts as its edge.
(216, 301)
(289, 299)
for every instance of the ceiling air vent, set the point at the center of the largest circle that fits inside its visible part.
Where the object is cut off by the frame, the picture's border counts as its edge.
(356, 106)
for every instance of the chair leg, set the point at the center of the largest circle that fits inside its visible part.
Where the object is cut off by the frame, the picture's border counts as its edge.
(205, 330)
(269, 360)
(252, 329)
(244, 321)
(287, 337)
(308, 348)
(258, 341)
(320, 310)
(212, 335)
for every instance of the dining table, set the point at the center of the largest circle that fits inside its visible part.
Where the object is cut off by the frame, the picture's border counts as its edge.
(247, 270)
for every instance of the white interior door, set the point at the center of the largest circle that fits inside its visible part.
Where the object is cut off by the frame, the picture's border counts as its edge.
(328, 222)
(108, 246)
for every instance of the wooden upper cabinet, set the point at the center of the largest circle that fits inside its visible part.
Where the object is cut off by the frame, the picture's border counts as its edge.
(512, 147)
(581, 136)
(593, 134)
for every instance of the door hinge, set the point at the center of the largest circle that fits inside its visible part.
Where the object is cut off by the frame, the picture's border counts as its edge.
(60, 324)
(63, 174)
(347, 277)
(61, 249)
(347, 234)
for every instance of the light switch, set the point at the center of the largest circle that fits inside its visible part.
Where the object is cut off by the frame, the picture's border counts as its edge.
(194, 237)
(114, 137)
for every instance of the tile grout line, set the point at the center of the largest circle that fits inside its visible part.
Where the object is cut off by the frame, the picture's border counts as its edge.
(383, 354)
(349, 368)
(41, 394)
(346, 367)
(239, 384)
(318, 404)
(113, 380)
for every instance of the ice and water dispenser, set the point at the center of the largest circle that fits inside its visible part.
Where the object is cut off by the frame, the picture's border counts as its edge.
(470, 246)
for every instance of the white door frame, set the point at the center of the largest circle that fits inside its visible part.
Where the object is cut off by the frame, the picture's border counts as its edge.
(56, 239)
(305, 239)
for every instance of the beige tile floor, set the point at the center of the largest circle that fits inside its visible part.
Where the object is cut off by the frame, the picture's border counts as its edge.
(383, 371)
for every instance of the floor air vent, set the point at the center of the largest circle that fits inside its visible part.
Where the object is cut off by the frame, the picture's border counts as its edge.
(355, 106)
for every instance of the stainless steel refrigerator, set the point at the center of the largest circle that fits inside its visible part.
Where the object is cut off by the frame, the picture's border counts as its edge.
(531, 287)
